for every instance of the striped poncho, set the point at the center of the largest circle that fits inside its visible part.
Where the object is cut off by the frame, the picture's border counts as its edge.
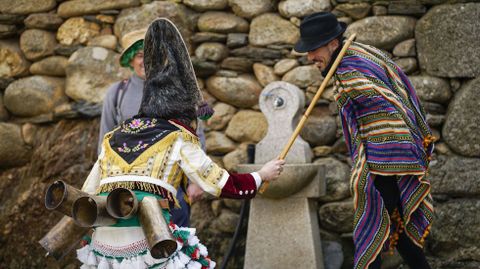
(386, 132)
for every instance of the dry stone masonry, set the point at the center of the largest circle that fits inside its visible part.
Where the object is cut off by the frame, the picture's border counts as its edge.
(57, 58)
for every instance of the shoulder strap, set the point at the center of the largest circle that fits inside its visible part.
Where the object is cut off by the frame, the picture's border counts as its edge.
(119, 94)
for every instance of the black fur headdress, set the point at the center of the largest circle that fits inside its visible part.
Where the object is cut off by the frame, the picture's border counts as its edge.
(170, 89)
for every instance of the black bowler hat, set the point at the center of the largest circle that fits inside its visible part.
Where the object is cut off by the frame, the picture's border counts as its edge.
(317, 30)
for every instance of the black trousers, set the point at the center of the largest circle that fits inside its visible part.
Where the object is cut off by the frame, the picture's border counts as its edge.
(411, 253)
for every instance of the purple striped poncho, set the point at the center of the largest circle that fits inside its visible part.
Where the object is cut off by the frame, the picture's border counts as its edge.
(386, 132)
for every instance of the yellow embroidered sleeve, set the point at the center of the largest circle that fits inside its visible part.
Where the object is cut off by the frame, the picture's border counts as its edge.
(93, 180)
(200, 169)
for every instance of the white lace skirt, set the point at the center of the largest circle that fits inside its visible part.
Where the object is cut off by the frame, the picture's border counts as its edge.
(126, 247)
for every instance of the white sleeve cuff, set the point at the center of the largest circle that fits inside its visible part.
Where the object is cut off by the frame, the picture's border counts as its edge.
(258, 179)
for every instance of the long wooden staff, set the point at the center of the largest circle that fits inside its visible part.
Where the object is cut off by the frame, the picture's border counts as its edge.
(312, 105)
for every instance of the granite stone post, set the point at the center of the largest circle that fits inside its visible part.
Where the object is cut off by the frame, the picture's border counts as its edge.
(283, 230)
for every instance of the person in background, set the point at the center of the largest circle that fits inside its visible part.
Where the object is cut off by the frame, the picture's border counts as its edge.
(122, 101)
(389, 141)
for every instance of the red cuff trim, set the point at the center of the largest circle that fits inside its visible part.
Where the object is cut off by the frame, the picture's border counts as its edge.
(239, 186)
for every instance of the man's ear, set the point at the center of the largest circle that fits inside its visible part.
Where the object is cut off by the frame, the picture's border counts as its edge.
(333, 45)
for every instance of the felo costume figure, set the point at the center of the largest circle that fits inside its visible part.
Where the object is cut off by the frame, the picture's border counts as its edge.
(122, 102)
(389, 141)
(153, 153)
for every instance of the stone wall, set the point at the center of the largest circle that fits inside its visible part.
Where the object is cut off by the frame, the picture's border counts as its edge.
(58, 57)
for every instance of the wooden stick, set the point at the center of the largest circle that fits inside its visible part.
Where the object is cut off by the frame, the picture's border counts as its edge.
(304, 118)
